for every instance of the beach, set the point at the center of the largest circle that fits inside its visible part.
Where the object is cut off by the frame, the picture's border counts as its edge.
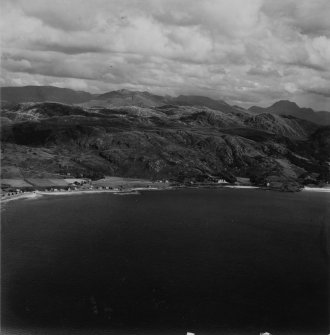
(37, 194)
(127, 188)
(26, 195)
(123, 191)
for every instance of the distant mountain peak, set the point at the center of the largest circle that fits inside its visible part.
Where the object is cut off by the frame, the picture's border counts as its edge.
(285, 103)
(286, 107)
(125, 91)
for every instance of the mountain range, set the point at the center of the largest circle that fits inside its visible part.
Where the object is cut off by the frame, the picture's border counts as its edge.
(145, 99)
(49, 132)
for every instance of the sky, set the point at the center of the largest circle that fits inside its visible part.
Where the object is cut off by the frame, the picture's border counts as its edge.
(246, 52)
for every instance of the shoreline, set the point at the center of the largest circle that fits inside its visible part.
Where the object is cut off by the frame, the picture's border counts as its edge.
(135, 190)
(26, 195)
(38, 194)
(242, 186)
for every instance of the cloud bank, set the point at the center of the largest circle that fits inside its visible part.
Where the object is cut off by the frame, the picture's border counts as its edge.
(246, 52)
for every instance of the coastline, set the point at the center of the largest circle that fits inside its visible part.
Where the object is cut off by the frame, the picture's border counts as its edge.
(133, 191)
(38, 194)
(27, 195)
(241, 186)
(127, 191)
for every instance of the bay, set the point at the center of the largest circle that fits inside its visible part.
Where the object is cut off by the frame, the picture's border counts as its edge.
(218, 261)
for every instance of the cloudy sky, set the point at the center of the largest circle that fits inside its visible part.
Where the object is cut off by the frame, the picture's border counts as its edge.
(246, 52)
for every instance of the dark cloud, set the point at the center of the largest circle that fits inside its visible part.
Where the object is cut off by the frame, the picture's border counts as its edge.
(258, 71)
(308, 17)
(308, 65)
(70, 49)
(55, 67)
(57, 21)
(325, 92)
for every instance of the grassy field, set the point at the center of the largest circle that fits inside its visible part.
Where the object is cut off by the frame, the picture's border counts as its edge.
(16, 183)
(33, 182)
(111, 182)
(118, 182)
(40, 182)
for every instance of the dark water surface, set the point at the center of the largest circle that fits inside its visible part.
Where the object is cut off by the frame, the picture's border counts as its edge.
(222, 261)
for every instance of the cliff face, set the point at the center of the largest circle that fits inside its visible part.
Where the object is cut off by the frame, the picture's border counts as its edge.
(183, 143)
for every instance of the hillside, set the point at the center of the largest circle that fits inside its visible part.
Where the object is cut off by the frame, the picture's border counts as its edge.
(180, 143)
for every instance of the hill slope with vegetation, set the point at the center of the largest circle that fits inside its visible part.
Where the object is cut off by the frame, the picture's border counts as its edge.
(182, 142)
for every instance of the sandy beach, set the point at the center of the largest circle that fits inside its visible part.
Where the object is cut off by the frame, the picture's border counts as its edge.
(317, 189)
(78, 192)
(27, 195)
(240, 186)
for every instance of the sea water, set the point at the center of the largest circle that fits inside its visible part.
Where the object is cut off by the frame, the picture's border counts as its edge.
(206, 261)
